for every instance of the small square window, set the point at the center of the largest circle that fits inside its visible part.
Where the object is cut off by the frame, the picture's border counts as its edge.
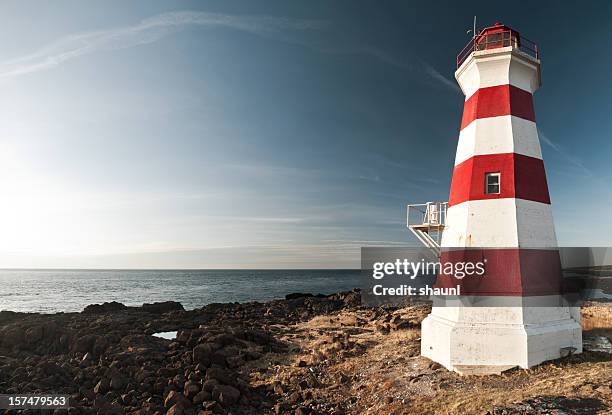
(492, 183)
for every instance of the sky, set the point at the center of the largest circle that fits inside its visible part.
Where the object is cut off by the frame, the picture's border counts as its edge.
(269, 134)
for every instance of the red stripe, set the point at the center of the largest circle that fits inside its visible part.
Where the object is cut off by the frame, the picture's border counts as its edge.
(513, 271)
(496, 101)
(522, 177)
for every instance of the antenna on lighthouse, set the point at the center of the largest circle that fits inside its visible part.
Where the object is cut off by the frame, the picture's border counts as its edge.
(473, 30)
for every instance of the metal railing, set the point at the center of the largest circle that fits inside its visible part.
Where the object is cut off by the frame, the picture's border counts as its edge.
(500, 39)
(427, 221)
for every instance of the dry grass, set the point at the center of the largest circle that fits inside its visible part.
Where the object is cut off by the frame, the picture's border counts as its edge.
(362, 370)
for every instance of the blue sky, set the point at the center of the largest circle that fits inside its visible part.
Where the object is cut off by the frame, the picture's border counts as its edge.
(237, 134)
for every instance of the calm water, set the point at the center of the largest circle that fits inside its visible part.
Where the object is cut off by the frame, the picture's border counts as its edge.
(50, 291)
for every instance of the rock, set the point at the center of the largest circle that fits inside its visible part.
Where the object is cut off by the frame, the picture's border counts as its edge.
(559, 405)
(190, 389)
(295, 296)
(278, 389)
(34, 334)
(218, 359)
(397, 323)
(342, 378)
(223, 339)
(87, 393)
(202, 353)
(209, 384)
(235, 361)
(221, 375)
(312, 381)
(127, 398)
(12, 337)
(280, 408)
(162, 307)
(352, 298)
(176, 409)
(104, 308)
(434, 366)
(107, 408)
(117, 383)
(202, 396)
(383, 328)
(295, 397)
(84, 344)
(102, 387)
(183, 336)
(8, 316)
(600, 344)
(99, 345)
(173, 398)
(226, 395)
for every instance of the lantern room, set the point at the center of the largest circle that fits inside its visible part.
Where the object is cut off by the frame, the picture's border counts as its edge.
(497, 36)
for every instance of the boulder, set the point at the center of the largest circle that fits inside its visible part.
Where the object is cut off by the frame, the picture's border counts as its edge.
(191, 389)
(117, 383)
(220, 375)
(34, 334)
(202, 396)
(209, 384)
(104, 308)
(175, 398)
(162, 307)
(295, 296)
(84, 344)
(176, 409)
(202, 354)
(12, 336)
(226, 395)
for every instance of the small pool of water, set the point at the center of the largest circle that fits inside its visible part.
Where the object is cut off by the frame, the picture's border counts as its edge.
(168, 335)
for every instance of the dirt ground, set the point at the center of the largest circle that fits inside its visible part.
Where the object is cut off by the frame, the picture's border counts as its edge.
(366, 361)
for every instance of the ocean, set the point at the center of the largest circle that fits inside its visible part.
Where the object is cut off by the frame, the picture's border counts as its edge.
(51, 291)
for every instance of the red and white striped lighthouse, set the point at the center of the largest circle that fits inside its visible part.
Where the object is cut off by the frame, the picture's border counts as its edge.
(499, 207)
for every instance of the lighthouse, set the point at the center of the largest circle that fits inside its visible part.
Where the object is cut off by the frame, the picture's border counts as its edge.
(499, 210)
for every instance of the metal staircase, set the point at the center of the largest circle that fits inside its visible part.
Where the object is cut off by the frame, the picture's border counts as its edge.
(427, 221)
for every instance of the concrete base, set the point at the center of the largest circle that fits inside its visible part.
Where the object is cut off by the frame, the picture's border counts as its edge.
(466, 370)
(488, 340)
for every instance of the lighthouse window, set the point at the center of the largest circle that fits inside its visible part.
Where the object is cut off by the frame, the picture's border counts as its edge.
(494, 40)
(492, 183)
(506, 36)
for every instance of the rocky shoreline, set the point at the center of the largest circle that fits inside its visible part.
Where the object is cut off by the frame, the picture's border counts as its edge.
(107, 361)
(301, 355)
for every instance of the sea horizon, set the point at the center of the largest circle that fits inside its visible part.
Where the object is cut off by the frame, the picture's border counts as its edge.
(71, 290)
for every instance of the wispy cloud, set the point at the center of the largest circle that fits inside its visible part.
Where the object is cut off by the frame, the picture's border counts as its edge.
(565, 154)
(262, 219)
(416, 64)
(157, 27)
(420, 66)
(435, 74)
(147, 31)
